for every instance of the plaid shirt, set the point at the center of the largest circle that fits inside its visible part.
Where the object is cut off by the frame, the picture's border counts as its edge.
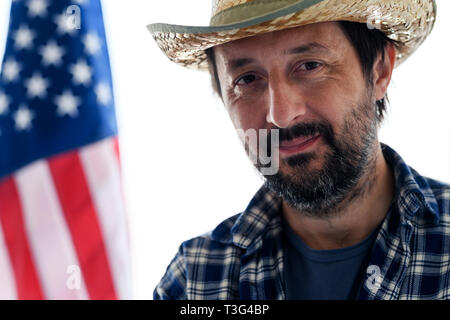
(243, 257)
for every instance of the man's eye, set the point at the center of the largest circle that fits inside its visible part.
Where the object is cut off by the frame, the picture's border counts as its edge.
(247, 79)
(310, 65)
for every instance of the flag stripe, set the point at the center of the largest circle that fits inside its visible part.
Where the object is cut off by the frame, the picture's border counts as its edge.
(12, 221)
(117, 151)
(81, 216)
(47, 232)
(102, 173)
(122, 192)
(7, 285)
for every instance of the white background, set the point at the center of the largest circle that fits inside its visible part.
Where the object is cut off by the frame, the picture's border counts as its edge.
(184, 168)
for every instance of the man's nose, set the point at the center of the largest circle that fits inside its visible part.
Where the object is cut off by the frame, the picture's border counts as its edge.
(286, 103)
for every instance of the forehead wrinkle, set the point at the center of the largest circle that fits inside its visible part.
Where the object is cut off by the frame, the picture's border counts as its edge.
(312, 47)
(242, 52)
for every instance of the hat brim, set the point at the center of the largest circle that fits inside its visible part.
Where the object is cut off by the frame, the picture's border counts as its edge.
(407, 22)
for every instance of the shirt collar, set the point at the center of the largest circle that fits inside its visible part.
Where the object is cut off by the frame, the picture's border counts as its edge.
(413, 197)
(261, 213)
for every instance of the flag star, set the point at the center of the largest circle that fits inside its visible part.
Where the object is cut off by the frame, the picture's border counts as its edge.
(23, 38)
(52, 54)
(23, 118)
(37, 8)
(67, 104)
(64, 25)
(37, 86)
(92, 43)
(81, 73)
(11, 70)
(4, 103)
(103, 93)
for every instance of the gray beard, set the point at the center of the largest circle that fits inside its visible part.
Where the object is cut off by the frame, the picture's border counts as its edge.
(321, 193)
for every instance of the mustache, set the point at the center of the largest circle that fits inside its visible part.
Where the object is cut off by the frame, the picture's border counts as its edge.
(306, 130)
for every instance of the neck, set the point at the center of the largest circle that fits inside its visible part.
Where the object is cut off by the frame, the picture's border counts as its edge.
(356, 217)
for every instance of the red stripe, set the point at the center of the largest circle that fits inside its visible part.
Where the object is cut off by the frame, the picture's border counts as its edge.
(117, 149)
(81, 217)
(11, 217)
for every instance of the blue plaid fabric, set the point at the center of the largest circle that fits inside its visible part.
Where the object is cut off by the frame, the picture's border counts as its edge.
(243, 257)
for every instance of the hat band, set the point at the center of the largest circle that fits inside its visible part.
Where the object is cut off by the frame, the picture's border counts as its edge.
(256, 9)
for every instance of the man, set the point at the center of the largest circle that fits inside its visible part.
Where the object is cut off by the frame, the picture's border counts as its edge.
(342, 216)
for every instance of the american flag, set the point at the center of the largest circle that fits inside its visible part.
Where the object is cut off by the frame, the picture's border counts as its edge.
(63, 225)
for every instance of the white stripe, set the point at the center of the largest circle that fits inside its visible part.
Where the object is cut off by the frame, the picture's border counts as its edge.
(102, 170)
(50, 239)
(7, 279)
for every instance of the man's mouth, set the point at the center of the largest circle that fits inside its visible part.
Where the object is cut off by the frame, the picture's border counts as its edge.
(297, 145)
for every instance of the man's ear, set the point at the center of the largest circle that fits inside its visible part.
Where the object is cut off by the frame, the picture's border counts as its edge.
(382, 71)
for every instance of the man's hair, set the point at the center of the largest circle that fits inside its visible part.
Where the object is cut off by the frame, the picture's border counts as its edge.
(369, 43)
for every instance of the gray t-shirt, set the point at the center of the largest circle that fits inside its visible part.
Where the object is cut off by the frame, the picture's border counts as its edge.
(324, 274)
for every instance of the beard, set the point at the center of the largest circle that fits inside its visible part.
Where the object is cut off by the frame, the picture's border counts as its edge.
(319, 192)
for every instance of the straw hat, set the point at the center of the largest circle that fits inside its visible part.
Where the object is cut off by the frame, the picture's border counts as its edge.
(408, 22)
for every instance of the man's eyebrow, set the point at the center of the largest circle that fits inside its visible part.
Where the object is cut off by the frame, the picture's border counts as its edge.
(237, 63)
(305, 48)
(308, 47)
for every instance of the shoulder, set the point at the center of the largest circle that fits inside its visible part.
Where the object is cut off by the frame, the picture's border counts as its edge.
(208, 258)
(415, 191)
(435, 195)
(220, 237)
(441, 192)
(428, 272)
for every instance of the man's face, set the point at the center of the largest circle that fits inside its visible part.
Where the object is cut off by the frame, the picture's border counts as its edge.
(308, 83)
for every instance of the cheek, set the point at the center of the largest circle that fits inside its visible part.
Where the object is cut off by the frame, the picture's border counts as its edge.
(248, 122)
(326, 102)
(333, 100)
(248, 116)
